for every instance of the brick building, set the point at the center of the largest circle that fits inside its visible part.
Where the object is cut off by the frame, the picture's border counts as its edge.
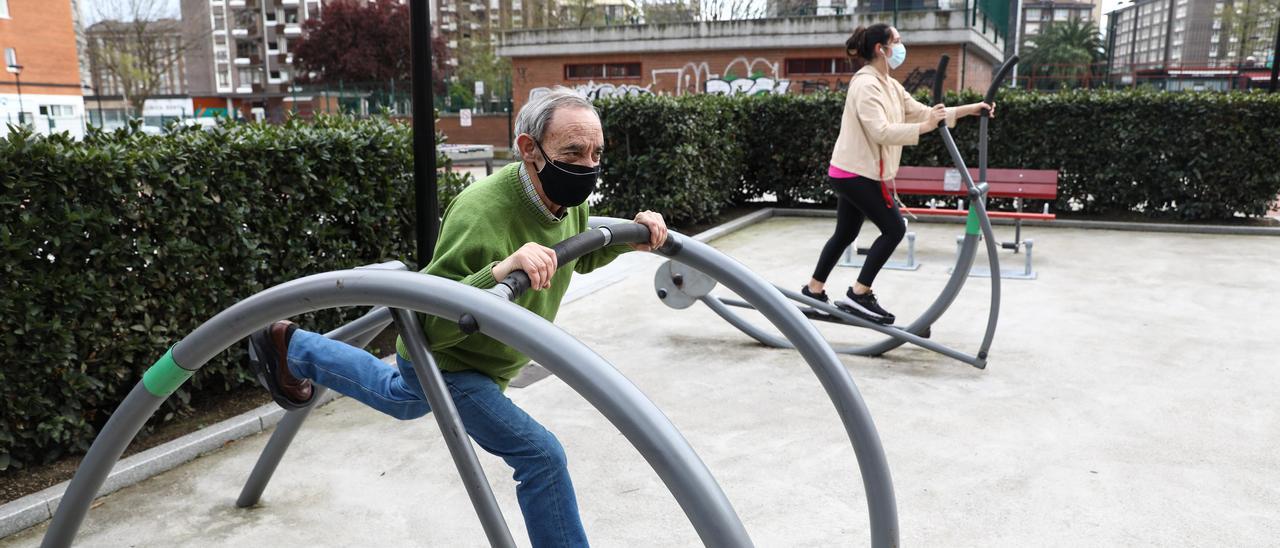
(786, 55)
(41, 79)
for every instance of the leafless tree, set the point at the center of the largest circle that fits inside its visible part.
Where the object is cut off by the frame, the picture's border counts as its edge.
(730, 10)
(138, 46)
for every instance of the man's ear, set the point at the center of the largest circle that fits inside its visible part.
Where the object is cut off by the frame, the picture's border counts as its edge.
(528, 151)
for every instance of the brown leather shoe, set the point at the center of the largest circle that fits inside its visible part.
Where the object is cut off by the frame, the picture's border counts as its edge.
(268, 356)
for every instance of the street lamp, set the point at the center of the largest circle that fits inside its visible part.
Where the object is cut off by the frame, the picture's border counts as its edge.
(16, 69)
(102, 123)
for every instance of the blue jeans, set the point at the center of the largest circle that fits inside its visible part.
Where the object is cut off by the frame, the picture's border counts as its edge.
(544, 489)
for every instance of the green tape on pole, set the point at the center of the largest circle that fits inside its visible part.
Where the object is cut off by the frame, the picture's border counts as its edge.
(165, 376)
(972, 225)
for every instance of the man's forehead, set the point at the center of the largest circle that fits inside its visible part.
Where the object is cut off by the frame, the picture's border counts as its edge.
(574, 123)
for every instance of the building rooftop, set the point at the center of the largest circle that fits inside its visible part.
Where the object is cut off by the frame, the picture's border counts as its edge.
(921, 27)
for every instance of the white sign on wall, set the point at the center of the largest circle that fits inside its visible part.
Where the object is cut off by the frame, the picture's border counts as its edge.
(464, 117)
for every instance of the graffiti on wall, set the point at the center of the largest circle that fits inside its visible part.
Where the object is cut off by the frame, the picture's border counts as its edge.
(747, 86)
(918, 79)
(593, 91)
(763, 77)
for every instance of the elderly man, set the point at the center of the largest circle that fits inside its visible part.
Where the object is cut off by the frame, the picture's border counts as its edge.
(503, 223)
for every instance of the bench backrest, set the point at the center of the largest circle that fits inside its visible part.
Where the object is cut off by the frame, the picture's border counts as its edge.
(1036, 184)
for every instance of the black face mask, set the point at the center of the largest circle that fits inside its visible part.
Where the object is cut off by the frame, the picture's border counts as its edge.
(566, 184)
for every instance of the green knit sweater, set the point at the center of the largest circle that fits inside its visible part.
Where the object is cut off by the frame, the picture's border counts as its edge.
(485, 224)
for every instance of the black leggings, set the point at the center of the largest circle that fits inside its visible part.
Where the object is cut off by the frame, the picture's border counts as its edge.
(857, 199)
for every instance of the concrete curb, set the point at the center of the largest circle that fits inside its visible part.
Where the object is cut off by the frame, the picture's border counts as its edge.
(36, 508)
(1067, 223)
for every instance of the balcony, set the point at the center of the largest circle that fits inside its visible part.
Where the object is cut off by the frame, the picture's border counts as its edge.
(293, 29)
(236, 3)
(290, 2)
(240, 32)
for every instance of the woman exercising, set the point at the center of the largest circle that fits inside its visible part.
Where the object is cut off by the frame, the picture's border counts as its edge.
(879, 118)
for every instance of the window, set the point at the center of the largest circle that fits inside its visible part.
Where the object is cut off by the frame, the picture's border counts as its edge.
(291, 16)
(602, 70)
(271, 17)
(275, 75)
(313, 9)
(273, 46)
(10, 57)
(4, 9)
(246, 49)
(57, 110)
(219, 20)
(249, 76)
(830, 65)
(1033, 14)
(220, 55)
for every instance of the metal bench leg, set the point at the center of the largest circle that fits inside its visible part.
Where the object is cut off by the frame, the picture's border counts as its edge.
(852, 259)
(1027, 272)
(1017, 229)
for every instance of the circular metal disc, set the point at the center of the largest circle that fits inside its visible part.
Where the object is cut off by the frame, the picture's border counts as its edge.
(693, 284)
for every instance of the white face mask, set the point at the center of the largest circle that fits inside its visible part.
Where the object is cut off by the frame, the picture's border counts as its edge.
(897, 55)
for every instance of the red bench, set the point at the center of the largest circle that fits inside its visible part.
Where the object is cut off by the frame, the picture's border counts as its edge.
(1019, 184)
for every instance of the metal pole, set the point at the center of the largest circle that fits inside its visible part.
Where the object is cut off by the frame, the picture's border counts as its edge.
(21, 110)
(426, 206)
(455, 434)
(1275, 60)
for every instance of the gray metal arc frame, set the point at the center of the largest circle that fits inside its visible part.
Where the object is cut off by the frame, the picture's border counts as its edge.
(978, 203)
(720, 307)
(835, 379)
(644, 426)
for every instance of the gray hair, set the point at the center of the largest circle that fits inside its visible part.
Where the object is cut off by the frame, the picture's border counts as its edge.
(535, 116)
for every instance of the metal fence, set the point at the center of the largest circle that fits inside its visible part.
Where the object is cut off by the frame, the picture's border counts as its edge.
(1155, 76)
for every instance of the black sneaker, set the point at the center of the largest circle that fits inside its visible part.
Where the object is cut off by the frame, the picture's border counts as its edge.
(804, 290)
(865, 307)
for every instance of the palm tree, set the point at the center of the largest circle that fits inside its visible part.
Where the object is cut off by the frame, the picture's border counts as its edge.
(1064, 52)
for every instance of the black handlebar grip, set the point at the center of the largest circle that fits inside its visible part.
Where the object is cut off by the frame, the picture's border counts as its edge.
(999, 79)
(578, 245)
(939, 77)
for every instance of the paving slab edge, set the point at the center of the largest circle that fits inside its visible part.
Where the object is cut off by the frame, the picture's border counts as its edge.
(23, 513)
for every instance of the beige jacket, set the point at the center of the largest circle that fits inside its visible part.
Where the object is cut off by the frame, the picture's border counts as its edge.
(880, 118)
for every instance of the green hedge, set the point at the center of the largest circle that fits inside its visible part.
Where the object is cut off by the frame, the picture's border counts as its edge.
(1186, 156)
(674, 155)
(115, 247)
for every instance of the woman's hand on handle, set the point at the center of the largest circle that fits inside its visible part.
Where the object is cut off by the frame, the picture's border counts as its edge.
(538, 261)
(657, 230)
(937, 115)
(977, 108)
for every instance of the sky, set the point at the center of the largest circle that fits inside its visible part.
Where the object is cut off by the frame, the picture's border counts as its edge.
(89, 9)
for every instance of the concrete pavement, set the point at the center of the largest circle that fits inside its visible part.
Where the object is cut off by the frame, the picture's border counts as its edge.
(1130, 399)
